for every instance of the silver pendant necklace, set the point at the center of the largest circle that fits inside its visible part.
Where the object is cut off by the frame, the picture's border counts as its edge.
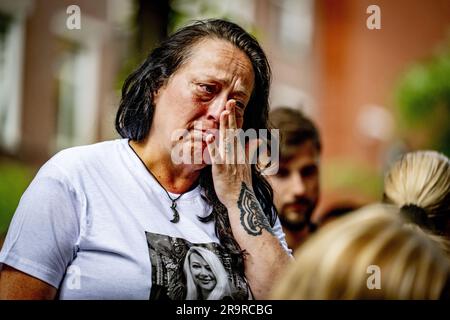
(176, 215)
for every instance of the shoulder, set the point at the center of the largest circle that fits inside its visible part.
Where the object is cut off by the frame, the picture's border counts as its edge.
(70, 163)
(87, 153)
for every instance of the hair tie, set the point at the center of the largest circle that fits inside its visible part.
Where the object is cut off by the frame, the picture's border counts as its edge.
(417, 215)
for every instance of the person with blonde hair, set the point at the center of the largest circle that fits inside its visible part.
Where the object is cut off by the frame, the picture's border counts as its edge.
(419, 184)
(367, 254)
(206, 278)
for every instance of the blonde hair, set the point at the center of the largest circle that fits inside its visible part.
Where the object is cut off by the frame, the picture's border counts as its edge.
(222, 287)
(335, 262)
(422, 179)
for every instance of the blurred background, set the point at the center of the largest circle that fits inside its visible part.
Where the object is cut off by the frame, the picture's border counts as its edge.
(374, 94)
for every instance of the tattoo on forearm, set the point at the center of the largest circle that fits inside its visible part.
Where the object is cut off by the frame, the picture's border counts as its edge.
(252, 217)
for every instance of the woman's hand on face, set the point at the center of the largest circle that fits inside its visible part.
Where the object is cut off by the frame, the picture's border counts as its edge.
(230, 161)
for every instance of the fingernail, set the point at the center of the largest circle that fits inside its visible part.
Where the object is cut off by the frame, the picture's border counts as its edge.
(210, 138)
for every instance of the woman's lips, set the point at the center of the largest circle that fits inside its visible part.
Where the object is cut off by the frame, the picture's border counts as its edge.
(205, 281)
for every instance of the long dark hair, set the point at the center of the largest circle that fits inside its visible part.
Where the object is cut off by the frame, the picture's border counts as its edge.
(135, 114)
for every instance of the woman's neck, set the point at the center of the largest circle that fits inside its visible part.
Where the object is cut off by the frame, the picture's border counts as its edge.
(174, 178)
(205, 293)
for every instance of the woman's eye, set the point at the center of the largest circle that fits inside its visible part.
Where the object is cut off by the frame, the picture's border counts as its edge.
(207, 88)
(240, 105)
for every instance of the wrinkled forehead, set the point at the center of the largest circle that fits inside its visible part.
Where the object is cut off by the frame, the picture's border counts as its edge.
(213, 46)
(221, 59)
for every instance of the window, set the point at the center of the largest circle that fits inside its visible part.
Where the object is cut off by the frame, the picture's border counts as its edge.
(77, 74)
(67, 88)
(294, 25)
(11, 52)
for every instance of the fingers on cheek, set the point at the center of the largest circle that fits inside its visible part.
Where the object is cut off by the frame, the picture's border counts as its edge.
(230, 104)
(232, 120)
(215, 157)
(224, 118)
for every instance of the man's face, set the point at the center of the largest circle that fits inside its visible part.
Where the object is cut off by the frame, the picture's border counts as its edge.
(296, 187)
(215, 72)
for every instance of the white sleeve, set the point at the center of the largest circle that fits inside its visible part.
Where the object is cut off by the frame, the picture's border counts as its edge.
(42, 236)
(278, 231)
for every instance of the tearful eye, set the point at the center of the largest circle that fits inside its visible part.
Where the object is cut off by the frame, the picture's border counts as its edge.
(240, 105)
(206, 88)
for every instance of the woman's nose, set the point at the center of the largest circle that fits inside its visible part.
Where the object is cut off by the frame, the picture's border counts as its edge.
(216, 107)
(205, 273)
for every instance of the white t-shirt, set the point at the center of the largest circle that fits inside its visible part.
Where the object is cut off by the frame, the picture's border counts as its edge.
(96, 225)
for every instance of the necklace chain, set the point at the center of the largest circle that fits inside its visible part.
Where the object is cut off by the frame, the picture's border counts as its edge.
(176, 215)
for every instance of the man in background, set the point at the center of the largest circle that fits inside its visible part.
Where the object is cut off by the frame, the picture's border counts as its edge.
(296, 185)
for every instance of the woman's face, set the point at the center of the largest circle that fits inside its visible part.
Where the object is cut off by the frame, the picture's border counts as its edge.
(201, 272)
(196, 94)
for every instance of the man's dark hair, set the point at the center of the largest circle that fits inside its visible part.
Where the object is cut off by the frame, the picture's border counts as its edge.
(295, 129)
(135, 114)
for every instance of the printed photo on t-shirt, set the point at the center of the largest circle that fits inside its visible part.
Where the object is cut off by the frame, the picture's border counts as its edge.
(182, 270)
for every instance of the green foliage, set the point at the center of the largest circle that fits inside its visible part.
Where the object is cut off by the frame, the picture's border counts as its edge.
(423, 100)
(14, 179)
(353, 177)
(183, 12)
